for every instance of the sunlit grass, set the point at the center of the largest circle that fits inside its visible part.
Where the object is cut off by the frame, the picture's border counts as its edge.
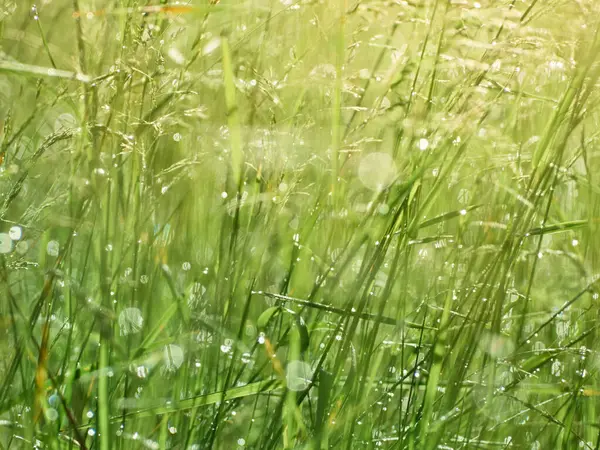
(299, 224)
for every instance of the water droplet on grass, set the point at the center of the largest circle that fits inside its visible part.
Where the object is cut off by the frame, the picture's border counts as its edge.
(226, 346)
(130, 321)
(463, 196)
(65, 121)
(24, 146)
(298, 375)
(54, 400)
(377, 170)
(196, 292)
(51, 414)
(52, 248)
(211, 46)
(556, 368)
(15, 233)
(173, 357)
(323, 71)
(141, 371)
(5, 243)
(176, 56)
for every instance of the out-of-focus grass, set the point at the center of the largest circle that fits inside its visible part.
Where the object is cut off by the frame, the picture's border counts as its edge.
(299, 224)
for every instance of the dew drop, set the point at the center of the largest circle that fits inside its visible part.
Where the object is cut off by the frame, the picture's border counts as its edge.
(64, 121)
(173, 357)
(176, 56)
(130, 321)
(52, 248)
(298, 375)
(5, 243)
(15, 233)
(377, 171)
(51, 414)
(226, 346)
(556, 368)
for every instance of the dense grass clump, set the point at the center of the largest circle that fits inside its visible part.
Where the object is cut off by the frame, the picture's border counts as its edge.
(299, 224)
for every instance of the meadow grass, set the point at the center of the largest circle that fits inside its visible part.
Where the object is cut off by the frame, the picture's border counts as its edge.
(299, 224)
